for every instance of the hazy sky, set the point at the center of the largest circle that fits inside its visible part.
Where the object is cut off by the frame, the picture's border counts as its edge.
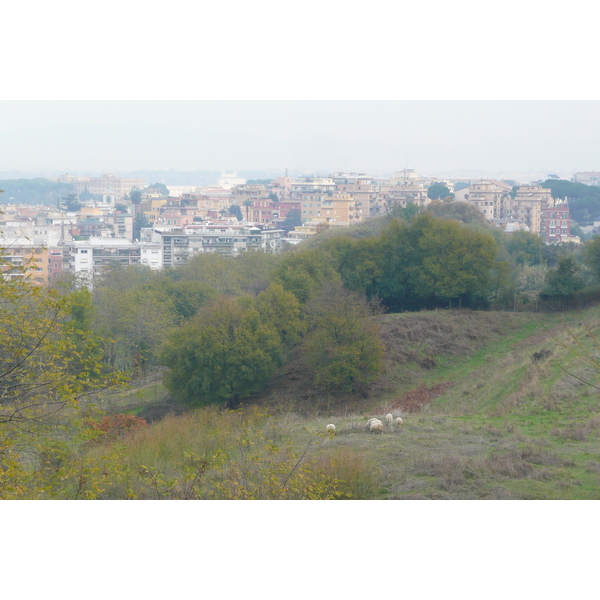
(273, 86)
(351, 135)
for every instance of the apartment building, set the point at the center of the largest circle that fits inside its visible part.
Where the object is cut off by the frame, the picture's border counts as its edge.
(311, 185)
(526, 207)
(555, 222)
(55, 263)
(248, 192)
(36, 231)
(366, 195)
(86, 258)
(330, 208)
(492, 198)
(151, 208)
(24, 260)
(179, 244)
(405, 194)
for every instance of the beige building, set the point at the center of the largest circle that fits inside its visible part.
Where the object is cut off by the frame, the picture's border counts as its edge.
(587, 177)
(151, 208)
(336, 207)
(402, 195)
(492, 198)
(25, 260)
(526, 206)
(111, 188)
(367, 197)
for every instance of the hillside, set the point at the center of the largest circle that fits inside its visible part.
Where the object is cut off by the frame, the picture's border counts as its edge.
(494, 407)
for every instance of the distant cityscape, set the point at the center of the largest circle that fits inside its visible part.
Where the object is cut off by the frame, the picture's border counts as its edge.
(107, 218)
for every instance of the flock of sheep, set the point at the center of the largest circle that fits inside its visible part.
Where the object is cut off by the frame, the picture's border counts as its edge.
(374, 424)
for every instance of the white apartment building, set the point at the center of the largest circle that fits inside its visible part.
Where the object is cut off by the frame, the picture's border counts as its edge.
(230, 180)
(87, 258)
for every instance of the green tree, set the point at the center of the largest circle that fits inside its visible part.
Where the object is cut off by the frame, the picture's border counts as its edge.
(356, 261)
(432, 261)
(407, 213)
(304, 272)
(454, 261)
(135, 195)
(87, 195)
(161, 188)
(343, 346)
(283, 311)
(35, 191)
(236, 211)
(132, 315)
(50, 361)
(139, 222)
(464, 212)
(71, 202)
(292, 219)
(438, 191)
(564, 280)
(225, 354)
(186, 297)
(525, 248)
(591, 254)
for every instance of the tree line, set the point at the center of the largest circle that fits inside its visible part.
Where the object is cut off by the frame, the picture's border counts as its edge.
(224, 325)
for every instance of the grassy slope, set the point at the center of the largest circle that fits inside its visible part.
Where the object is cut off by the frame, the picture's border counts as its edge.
(507, 426)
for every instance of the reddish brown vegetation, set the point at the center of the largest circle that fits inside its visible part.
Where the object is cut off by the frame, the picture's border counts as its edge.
(114, 426)
(415, 399)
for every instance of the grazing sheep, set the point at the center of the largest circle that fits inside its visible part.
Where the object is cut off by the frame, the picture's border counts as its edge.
(330, 428)
(376, 425)
(389, 419)
(371, 420)
(398, 421)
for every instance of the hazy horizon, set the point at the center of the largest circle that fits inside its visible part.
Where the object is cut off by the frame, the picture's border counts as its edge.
(433, 136)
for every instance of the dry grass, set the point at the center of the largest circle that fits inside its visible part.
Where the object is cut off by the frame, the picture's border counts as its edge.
(418, 398)
(576, 434)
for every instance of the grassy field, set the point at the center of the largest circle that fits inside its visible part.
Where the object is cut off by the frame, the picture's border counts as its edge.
(495, 406)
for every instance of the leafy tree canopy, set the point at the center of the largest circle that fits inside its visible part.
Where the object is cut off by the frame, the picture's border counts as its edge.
(135, 195)
(343, 346)
(438, 191)
(71, 202)
(565, 279)
(465, 212)
(526, 248)
(592, 255)
(161, 188)
(34, 191)
(224, 355)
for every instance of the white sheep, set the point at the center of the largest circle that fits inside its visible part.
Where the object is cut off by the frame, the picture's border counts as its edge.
(398, 421)
(389, 419)
(330, 429)
(371, 420)
(376, 425)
